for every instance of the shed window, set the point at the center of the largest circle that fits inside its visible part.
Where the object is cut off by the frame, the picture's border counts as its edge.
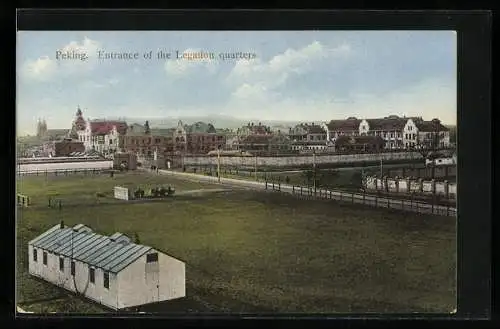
(106, 280)
(72, 268)
(61, 264)
(35, 256)
(44, 258)
(92, 275)
(151, 258)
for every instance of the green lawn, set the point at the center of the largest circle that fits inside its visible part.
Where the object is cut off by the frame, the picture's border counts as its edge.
(255, 252)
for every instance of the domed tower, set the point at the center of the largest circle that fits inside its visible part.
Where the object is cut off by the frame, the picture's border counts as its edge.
(79, 123)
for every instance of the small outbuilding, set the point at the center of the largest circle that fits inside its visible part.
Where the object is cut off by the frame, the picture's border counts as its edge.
(110, 270)
(125, 160)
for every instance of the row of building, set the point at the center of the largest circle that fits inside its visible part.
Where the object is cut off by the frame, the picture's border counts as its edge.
(351, 134)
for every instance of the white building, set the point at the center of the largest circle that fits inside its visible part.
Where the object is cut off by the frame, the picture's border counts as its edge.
(103, 136)
(308, 138)
(398, 132)
(111, 271)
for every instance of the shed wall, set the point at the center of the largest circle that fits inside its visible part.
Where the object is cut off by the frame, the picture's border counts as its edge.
(143, 283)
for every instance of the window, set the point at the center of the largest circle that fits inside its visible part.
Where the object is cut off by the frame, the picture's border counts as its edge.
(44, 258)
(106, 280)
(35, 256)
(110, 142)
(151, 258)
(92, 275)
(73, 268)
(61, 264)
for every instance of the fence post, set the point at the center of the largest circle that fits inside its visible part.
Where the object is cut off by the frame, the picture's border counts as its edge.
(266, 184)
(293, 189)
(279, 187)
(352, 196)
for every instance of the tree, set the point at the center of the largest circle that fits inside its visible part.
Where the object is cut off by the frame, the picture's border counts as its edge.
(136, 238)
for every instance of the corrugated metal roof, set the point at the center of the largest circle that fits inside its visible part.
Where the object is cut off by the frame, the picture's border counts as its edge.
(111, 254)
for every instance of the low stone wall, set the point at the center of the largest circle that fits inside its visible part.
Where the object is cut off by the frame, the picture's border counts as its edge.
(297, 160)
(409, 186)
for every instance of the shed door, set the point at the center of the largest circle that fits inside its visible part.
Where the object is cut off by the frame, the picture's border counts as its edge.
(153, 277)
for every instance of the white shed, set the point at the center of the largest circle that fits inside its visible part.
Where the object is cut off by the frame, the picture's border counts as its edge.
(111, 271)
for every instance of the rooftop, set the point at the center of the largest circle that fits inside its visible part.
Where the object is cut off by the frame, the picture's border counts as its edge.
(111, 254)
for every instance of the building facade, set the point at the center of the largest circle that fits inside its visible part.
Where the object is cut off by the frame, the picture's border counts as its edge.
(103, 136)
(359, 144)
(145, 141)
(397, 132)
(252, 129)
(112, 271)
(265, 144)
(198, 138)
(308, 137)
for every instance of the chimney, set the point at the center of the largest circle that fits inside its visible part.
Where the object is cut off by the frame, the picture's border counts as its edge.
(62, 225)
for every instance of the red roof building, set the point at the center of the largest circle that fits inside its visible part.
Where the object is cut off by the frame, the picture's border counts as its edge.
(105, 127)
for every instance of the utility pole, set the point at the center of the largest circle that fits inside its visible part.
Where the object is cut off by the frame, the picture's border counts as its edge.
(314, 171)
(255, 167)
(218, 164)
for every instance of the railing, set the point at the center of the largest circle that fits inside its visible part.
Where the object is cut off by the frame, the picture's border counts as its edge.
(364, 199)
(63, 172)
(323, 194)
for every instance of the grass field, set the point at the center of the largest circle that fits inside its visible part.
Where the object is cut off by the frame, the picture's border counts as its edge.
(253, 251)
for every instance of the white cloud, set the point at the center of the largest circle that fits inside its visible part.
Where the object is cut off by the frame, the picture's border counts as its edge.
(40, 69)
(278, 69)
(48, 67)
(184, 67)
(429, 99)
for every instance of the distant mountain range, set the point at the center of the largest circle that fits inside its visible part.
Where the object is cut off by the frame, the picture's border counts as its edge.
(218, 121)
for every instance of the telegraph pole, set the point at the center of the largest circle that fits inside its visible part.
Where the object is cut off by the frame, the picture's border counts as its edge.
(218, 164)
(255, 167)
(314, 171)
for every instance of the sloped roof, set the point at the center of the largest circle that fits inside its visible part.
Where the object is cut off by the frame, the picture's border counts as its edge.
(312, 128)
(389, 123)
(135, 129)
(429, 126)
(104, 127)
(344, 125)
(162, 131)
(110, 254)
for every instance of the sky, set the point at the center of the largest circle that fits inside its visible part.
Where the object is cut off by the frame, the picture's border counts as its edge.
(293, 75)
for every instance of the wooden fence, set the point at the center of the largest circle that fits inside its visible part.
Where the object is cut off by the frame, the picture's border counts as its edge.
(63, 172)
(363, 199)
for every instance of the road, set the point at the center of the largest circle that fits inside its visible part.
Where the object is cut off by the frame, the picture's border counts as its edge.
(380, 202)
